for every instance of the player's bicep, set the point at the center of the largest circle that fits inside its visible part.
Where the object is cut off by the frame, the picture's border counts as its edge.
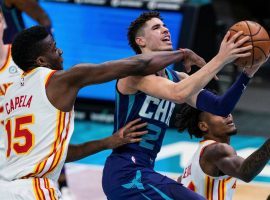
(229, 163)
(155, 86)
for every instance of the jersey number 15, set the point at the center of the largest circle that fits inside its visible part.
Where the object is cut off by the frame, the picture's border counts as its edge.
(20, 139)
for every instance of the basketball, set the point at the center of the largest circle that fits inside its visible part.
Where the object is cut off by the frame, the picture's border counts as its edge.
(259, 39)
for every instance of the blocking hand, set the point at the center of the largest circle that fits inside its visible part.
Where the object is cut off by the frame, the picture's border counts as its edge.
(128, 134)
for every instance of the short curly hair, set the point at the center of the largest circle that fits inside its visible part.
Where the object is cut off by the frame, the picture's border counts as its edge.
(135, 28)
(27, 47)
(187, 119)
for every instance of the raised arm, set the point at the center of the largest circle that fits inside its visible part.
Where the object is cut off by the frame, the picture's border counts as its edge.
(143, 64)
(33, 9)
(226, 160)
(126, 134)
(182, 91)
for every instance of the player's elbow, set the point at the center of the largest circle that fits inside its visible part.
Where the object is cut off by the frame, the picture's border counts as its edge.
(246, 179)
(179, 98)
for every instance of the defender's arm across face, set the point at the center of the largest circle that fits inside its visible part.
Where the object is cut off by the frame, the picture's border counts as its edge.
(64, 85)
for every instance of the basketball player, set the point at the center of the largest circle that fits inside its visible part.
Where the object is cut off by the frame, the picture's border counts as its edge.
(38, 109)
(128, 171)
(13, 9)
(9, 72)
(215, 166)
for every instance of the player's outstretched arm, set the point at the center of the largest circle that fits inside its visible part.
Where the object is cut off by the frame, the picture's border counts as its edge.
(65, 84)
(247, 169)
(125, 135)
(182, 91)
(143, 64)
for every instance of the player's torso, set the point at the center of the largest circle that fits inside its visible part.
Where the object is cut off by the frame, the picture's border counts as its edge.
(212, 188)
(37, 132)
(156, 112)
(14, 22)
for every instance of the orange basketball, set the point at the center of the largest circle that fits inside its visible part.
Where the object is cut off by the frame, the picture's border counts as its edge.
(259, 39)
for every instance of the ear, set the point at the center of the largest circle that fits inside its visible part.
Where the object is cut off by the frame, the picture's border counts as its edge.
(203, 126)
(41, 61)
(140, 41)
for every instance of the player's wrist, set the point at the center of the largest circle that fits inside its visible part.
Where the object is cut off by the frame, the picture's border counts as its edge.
(246, 73)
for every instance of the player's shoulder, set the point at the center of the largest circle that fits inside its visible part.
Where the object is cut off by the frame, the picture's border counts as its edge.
(182, 75)
(218, 149)
(136, 79)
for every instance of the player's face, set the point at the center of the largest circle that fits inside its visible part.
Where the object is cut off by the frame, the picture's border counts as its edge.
(52, 55)
(220, 126)
(156, 36)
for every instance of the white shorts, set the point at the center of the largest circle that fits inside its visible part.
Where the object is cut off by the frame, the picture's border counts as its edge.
(29, 189)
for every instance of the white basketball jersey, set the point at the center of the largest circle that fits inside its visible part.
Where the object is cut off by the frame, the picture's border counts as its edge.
(9, 72)
(212, 188)
(38, 134)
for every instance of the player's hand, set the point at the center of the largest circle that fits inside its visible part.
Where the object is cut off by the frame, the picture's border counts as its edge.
(128, 134)
(230, 48)
(191, 58)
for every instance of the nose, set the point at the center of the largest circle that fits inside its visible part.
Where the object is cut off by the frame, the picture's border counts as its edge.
(228, 116)
(165, 29)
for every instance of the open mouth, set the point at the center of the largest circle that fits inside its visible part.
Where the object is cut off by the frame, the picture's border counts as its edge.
(230, 123)
(167, 38)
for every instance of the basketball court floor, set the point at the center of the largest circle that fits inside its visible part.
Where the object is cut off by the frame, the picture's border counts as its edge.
(84, 176)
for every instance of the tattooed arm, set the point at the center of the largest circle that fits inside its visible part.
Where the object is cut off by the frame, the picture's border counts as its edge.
(224, 157)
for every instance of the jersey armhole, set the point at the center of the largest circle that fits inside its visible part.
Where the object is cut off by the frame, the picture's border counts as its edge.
(47, 79)
(203, 149)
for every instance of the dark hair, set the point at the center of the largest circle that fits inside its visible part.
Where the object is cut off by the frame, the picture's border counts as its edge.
(188, 118)
(136, 26)
(27, 46)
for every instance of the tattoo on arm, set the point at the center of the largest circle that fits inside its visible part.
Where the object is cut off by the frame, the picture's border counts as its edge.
(255, 163)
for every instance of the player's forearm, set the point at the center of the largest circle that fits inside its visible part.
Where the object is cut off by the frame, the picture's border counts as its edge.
(80, 151)
(190, 86)
(158, 60)
(84, 74)
(222, 105)
(255, 163)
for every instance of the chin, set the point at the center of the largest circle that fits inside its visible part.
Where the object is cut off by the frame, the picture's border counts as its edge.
(232, 132)
(166, 49)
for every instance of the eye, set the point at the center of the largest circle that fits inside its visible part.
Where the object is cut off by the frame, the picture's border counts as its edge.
(156, 27)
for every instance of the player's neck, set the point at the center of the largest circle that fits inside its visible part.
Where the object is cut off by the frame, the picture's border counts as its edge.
(3, 54)
(218, 139)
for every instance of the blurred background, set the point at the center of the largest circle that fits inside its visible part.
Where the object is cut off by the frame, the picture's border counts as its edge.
(95, 31)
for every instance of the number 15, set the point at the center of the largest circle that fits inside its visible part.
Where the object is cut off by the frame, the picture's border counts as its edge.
(21, 133)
